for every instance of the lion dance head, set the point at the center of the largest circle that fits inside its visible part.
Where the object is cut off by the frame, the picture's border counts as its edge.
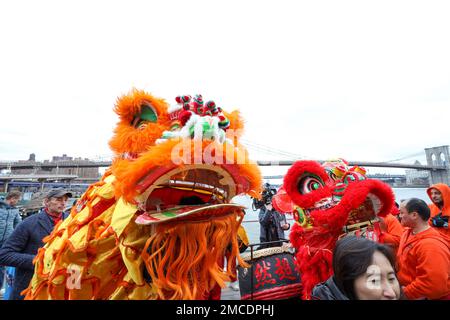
(159, 222)
(329, 201)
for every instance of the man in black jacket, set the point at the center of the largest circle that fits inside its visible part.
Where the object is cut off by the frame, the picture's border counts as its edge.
(272, 226)
(23, 244)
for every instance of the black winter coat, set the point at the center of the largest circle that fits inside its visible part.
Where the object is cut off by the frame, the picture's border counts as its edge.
(327, 290)
(22, 246)
(270, 227)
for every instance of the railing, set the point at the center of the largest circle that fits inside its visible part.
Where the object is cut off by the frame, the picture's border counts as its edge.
(93, 164)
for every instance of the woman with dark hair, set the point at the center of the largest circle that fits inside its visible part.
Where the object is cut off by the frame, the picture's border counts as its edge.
(363, 270)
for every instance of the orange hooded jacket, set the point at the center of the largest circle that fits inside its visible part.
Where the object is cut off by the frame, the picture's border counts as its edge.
(445, 191)
(424, 263)
(393, 233)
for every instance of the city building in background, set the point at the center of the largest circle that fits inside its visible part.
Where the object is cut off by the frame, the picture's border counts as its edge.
(33, 182)
(417, 177)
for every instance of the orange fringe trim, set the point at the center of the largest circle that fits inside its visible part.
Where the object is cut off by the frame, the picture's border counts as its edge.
(184, 260)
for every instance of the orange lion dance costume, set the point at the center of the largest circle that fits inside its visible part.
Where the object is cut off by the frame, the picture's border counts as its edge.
(329, 201)
(159, 222)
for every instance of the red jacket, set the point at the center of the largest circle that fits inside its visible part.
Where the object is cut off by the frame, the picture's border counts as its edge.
(424, 264)
(445, 191)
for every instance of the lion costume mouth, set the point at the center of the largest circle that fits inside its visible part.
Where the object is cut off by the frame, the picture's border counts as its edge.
(365, 208)
(196, 192)
(360, 206)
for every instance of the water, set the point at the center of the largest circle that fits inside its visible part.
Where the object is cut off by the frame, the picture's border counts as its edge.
(406, 193)
(251, 223)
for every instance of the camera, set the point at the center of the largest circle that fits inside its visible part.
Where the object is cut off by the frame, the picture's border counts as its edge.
(440, 221)
(266, 197)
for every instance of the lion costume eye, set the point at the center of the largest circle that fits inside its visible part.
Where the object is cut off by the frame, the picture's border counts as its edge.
(148, 114)
(309, 183)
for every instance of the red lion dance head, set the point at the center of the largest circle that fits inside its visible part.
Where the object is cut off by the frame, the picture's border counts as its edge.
(329, 201)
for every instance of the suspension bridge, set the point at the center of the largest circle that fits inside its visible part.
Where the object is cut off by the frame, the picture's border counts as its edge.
(438, 160)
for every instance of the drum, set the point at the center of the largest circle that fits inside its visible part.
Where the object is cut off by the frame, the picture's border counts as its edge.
(272, 275)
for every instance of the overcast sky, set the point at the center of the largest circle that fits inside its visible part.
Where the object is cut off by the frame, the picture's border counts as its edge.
(362, 80)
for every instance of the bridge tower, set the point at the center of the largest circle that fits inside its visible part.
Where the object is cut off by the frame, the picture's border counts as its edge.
(439, 156)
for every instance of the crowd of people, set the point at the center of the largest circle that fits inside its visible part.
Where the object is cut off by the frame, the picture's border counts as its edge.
(410, 261)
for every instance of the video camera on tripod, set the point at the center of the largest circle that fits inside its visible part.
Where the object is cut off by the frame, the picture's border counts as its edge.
(267, 195)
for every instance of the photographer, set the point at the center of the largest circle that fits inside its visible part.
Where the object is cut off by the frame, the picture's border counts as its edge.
(272, 223)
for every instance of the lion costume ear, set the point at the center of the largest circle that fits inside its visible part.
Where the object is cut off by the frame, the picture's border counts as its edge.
(142, 120)
(133, 104)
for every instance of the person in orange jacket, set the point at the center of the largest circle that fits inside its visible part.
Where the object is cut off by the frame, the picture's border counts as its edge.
(423, 255)
(391, 229)
(439, 194)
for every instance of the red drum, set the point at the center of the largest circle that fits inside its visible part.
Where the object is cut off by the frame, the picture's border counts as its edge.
(272, 275)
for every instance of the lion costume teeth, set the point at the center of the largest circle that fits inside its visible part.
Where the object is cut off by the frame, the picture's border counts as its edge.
(156, 226)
